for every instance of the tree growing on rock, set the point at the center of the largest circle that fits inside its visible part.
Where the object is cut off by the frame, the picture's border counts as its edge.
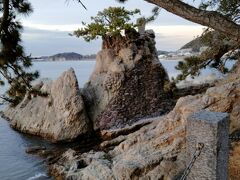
(109, 23)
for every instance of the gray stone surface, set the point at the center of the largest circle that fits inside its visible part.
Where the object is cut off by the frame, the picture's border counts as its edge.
(211, 129)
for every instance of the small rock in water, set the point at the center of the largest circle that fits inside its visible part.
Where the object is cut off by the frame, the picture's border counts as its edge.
(35, 149)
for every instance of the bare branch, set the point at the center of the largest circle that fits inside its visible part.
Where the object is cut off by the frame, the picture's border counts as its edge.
(82, 4)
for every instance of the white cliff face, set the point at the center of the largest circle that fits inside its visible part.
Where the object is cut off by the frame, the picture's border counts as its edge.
(60, 116)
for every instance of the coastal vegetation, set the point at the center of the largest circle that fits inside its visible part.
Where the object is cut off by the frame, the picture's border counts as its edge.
(110, 22)
(14, 63)
(114, 23)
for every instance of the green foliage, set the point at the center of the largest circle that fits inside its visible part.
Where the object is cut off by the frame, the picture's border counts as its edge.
(13, 61)
(109, 22)
(229, 8)
(190, 66)
(218, 46)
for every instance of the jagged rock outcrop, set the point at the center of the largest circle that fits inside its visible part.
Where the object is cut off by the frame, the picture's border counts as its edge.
(60, 116)
(157, 150)
(128, 83)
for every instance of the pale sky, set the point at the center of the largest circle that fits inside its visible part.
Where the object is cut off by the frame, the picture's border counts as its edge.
(46, 29)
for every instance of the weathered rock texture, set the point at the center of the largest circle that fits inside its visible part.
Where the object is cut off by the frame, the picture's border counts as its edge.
(128, 83)
(157, 150)
(60, 116)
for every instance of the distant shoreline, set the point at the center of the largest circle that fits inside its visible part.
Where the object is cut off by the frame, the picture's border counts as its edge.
(48, 60)
(176, 58)
(161, 59)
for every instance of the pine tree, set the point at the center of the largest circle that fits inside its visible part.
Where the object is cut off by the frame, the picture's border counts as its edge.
(218, 44)
(109, 22)
(110, 25)
(14, 63)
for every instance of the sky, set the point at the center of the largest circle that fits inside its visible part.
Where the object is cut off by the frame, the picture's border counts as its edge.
(46, 30)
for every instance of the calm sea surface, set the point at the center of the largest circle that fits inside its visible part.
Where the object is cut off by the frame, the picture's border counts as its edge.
(15, 164)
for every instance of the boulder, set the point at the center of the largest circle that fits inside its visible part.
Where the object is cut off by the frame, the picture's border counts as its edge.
(60, 116)
(128, 83)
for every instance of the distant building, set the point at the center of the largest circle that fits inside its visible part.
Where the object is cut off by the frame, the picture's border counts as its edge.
(183, 52)
(188, 54)
(162, 56)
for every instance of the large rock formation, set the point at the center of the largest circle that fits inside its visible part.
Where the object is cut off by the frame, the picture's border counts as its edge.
(128, 82)
(157, 150)
(60, 116)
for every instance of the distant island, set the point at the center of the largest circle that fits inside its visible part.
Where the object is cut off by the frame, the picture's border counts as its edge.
(192, 48)
(67, 56)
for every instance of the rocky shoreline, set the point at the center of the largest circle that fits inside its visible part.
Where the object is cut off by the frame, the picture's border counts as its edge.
(155, 150)
(103, 141)
(130, 116)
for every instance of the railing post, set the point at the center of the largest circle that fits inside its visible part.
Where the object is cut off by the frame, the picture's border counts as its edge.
(211, 129)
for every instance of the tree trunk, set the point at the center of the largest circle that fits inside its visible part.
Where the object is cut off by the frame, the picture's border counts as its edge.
(5, 16)
(206, 18)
